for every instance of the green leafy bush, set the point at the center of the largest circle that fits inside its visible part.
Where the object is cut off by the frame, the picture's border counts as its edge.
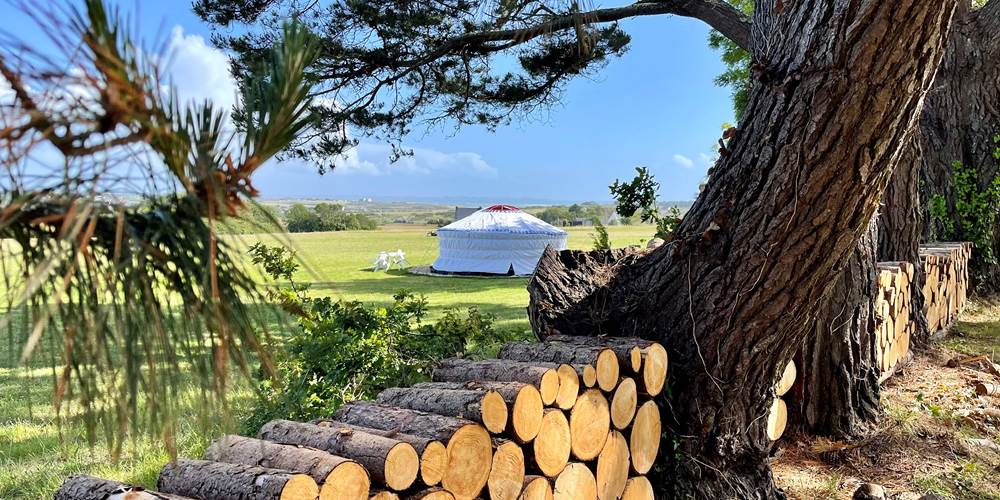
(639, 195)
(343, 350)
(601, 239)
(974, 214)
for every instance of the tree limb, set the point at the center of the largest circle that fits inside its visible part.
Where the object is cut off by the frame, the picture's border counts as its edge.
(716, 13)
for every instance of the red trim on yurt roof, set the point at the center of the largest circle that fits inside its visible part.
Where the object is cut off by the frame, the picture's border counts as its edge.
(502, 208)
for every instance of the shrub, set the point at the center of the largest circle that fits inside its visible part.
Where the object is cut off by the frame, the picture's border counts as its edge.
(325, 217)
(343, 350)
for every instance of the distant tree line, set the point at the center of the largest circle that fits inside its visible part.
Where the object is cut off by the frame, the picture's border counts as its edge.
(325, 217)
(565, 215)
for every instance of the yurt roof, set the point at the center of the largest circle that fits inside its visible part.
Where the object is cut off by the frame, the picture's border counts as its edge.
(502, 219)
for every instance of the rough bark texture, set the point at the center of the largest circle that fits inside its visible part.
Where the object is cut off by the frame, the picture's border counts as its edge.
(93, 488)
(414, 422)
(369, 450)
(837, 385)
(544, 378)
(836, 91)
(202, 479)
(462, 403)
(249, 451)
(962, 115)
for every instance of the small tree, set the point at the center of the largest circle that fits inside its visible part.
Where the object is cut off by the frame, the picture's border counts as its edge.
(134, 295)
(601, 239)
(639, 195)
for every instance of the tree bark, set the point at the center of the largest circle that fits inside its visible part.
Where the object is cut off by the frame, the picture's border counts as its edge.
(82, 487)
(836, 92)
(837, 386)
(203, 479)
(961, 116)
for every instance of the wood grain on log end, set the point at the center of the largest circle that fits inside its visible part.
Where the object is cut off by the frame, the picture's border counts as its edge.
(638, 488)
(623, 403)
(470, 456)
(776, 419)
(507, 473)
(536, 488)
(589, 423)
(607, 370)
(433, 463)
(569, 386)
(553, 444)
(576, 482)
(654, 369)
(787, 379)
(612, 467)
(431, 494)
(384, 495)
(644, 440)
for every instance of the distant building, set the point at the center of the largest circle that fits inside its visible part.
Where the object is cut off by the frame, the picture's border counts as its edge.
(581, 221)
(463, 212)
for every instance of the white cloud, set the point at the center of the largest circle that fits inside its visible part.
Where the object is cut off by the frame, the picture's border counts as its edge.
(683, 161)
(199, 71)
(374, 159)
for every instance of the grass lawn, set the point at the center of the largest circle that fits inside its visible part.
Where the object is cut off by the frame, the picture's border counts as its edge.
(36, 454)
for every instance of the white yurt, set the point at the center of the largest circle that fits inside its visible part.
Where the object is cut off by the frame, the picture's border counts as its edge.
(500, 239)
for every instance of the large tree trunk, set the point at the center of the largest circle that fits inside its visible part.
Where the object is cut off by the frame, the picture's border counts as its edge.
(961, 116)
(838, 385)
(901, 229)
(836, 91)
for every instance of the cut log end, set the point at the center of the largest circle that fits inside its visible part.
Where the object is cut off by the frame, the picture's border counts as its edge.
(431, 494)
(612, 467)
(300, 487)
(507, 473)
(526, 413)
(576, 482)
(549, 387)
(536, 488)
(607, 370)
(644, 441)
(589, 376)
(553, 444)
(347, 481)
(401, 466)
(494, 411)
(433, 463)
(638, 488)
(384, 495)
(635, 358)
(787, 379)
(654, 369)
(569, 387)
(776, 419)
(623, 403)
(470, 456)
(589, 423)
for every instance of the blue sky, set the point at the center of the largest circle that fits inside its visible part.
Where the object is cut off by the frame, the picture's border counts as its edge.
(657, 106)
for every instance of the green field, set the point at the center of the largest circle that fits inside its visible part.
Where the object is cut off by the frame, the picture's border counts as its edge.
(36, 454)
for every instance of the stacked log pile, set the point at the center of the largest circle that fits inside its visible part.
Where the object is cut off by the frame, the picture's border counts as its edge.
(893, 319)
(946, 282)
(572, 418)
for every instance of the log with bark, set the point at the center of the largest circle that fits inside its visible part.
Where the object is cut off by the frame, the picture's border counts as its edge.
(470, 449)
(204, 479)
(543, 377)
(484, 406)
(601, 357)
(339, 478)
(644, 358)
(390, 462)
(524, 403)
(83, 487)
(433, 453)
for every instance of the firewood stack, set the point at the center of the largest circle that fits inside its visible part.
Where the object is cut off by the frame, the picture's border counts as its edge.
(893, 319)
(569, 419)
(946, 284)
